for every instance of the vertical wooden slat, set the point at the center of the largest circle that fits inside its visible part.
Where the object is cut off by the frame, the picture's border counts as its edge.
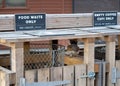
(43, 74)
(80, 70)
(56, 74)
(89, 58)
(68, 74)
(30, 75)
(118, 69)
(110, 56)
(17, 60)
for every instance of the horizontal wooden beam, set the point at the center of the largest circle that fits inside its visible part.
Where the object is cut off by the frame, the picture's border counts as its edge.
(54, 21)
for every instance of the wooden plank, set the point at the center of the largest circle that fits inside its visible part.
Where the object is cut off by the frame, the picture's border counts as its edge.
(106, 31)
(42, 37)
(17, 60)
(43, 75)
(114, 27)
(55, 21)
(110, 56)
(89, 58)
(80, 70)
(6, 70)
(56, 74)
(10, 73)
(46, 38)
(118, 69)
(30, 75)
(7, 23)
(68, 74)
(4, 79)
(12, 78)
(69, 20)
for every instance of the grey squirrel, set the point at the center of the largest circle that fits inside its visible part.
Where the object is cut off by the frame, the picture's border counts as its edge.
(73, 49)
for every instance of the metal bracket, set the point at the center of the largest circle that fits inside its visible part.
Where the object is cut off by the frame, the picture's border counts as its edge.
(90, 75)
(115, 75)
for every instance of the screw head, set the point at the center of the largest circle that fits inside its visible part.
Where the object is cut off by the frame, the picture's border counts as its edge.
(91, 75)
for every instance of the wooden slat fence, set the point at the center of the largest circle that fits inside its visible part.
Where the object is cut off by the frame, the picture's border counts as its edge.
(71, 73)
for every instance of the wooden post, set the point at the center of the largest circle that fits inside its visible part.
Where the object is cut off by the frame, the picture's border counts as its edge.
(89, 58)
(17, 60)
(110, 56)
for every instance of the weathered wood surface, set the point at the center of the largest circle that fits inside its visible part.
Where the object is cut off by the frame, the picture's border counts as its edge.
(17, 60)
(43, 75)
(59, 21)
(7, 77)
(4, 79)
(110, 56)
(7, 22)
(30, 75)
(57, 34)
(118, 69)
(80, 70)
(89, 57)
(68, 74)
(56, 73)
(45, 35)
(71, 73)
(54, 21)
